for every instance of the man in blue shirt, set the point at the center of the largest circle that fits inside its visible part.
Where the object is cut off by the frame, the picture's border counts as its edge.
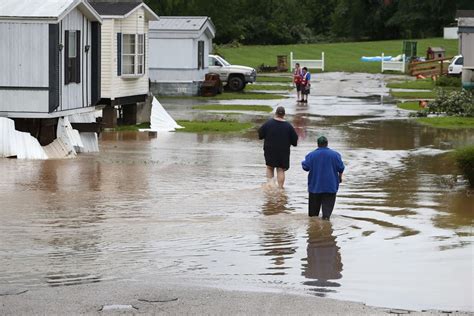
(325, 168)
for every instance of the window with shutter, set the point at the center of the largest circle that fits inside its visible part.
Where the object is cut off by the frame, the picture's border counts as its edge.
(200, 54)
(72, 57)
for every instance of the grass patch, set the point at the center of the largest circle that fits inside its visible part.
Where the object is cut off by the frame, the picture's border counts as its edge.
(252, 87)
(412, 106)
(232, 96)
(213, 126)
(232, 107)
(427, 84)
(123, 128)
(465, 161)
(448, 122)
(339, 56)
(413, 95)
(274, 79)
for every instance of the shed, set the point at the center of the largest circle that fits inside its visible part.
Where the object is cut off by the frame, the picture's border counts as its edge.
(124, 77)
(49, 58)
(435, 53)
(466, 45)
(179, 49)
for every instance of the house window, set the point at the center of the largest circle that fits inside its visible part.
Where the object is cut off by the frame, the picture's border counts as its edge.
(200, 54)
(133, 54)
(72, 57)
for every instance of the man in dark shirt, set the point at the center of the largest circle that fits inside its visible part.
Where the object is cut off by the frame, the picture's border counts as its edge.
(325, 168)
(279, 135)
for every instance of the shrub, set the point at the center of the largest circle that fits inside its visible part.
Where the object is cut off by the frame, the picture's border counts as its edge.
(465, 161)
(453, 103)
(446, 81)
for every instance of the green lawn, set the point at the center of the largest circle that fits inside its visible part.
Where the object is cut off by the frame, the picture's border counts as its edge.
(427, 84)
(414, 95)
(448, 122)
(122, 128)
(274, 79)
(267, 87)
(339, 56)
(232, 96)
(212, 126)
(412, 106)
(238, 107)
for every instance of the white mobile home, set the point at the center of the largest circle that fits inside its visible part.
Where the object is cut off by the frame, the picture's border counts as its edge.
(179, 49)
(466, 45)
(49, 77)
(124, 79)
(49, 57)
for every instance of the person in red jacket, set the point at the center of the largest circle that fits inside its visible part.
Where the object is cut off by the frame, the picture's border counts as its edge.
(305, 84)
(297, 77)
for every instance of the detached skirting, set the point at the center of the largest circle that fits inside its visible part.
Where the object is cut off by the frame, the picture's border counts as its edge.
(175, 88)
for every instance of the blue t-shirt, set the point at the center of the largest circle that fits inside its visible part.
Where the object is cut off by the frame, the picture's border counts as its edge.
(324, 166)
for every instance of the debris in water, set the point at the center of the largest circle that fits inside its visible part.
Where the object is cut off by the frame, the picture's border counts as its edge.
(161, 300)
(13, 293)
(117, 307)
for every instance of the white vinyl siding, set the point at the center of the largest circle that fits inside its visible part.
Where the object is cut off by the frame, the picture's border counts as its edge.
(108, 58)
(468, 49)
(114, 86)
(24, 54)
(76, 95)
(174, 55)
(23, 101)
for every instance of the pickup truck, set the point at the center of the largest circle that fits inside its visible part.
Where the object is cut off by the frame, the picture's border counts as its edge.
(455, 67)
(234, 77)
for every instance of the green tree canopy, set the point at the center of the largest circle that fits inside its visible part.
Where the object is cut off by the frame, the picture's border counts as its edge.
(301, 21)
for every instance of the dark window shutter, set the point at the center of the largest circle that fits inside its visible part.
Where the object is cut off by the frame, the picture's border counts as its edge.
(54, 61)
(119, 54)
(95, 62)
(144, 53)
(66, 57)
(78, 71)
(200, 54)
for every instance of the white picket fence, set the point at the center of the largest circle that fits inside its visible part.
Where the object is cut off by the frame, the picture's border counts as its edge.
(308, 63)
(393, 65)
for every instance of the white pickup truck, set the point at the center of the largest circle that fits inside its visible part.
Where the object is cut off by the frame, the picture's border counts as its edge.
(455, 67)
(235, 77)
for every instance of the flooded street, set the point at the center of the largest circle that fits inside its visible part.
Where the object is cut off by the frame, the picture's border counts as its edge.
(191, 207)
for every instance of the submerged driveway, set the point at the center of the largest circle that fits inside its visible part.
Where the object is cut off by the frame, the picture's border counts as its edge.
(190, 209)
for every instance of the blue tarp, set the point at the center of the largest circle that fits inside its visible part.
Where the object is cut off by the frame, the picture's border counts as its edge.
(376, 58)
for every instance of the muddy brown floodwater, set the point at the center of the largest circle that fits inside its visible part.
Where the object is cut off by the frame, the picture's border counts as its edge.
(192, 207)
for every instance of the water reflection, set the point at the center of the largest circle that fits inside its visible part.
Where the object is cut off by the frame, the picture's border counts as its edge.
(277, 241)
(276, 201)
(323, 262)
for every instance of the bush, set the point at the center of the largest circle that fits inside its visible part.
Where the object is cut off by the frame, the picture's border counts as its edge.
(446, 81)
(465, 161)
(453, 103)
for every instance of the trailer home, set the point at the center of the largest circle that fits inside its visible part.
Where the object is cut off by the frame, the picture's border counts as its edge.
(49, 65)
(179, 50)
(466, 44)
(124, 78)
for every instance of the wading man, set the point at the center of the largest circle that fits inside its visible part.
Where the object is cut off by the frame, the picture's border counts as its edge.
(278, 137)
(325, 168)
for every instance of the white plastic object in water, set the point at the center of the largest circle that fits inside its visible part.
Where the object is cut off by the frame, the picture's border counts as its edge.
(160, 120)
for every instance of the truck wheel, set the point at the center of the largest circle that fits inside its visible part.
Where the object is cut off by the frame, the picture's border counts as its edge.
(235, 83)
